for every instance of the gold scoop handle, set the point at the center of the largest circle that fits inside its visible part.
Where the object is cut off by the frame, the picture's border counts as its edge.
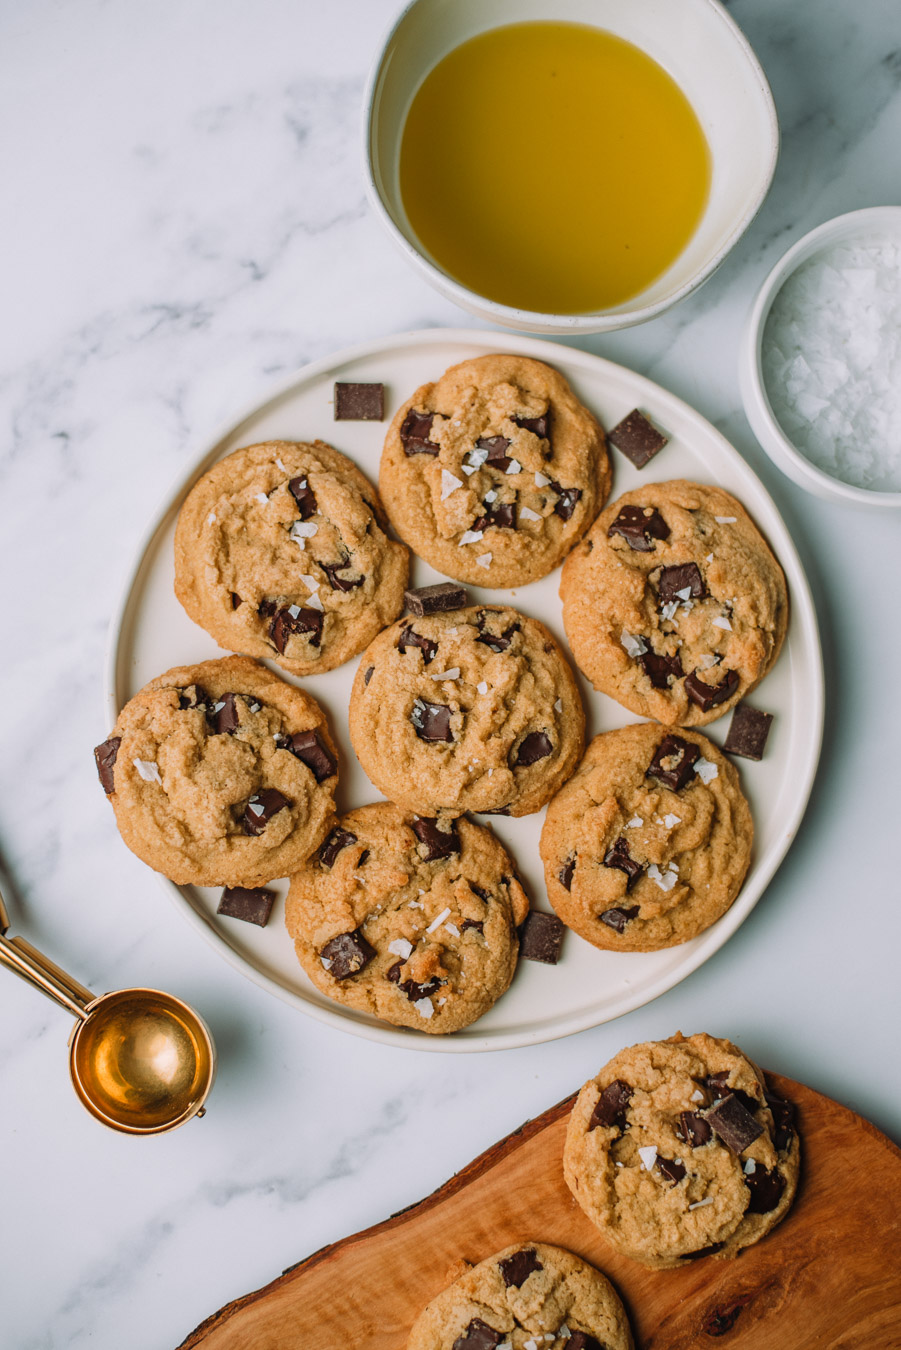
(39, 971)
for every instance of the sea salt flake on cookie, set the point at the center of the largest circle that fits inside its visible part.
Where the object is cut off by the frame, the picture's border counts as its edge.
(705, 770)
(484, 560)
(148, 770)
(449, 483)
(648, 1155)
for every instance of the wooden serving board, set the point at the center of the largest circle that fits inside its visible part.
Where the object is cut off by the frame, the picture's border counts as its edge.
(828, 1276)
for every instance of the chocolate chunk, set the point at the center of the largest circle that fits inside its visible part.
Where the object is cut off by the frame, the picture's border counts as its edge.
(495, 811)
(669, 1168)
(537, 745)
(695, 1130)
(497, 451)
(673, 762)
(703, 1251)
(766, 1190)
(539, 426)
(748, 731)
(498, 642)
(310, 749)
(236, 600)
(661, 670)
(105, 759)
(517, 1268)
(194, 696)
(580, 1340)
(437, 599)
(363, 857)
(478, 1336)
(734, 1124)
(266, 608)
(336, 841)
(414, 434)
(718, 1086)
(252, 904)
(410, 638)
(502, 515)
(639, 526)
(337, 581)
(415, 992)
(432, 721)
(637, 439)
(783, 1121)
(686, 577)
(565, 875)
(618, 856)
(393, 972)
(541, 937)
(304, 496)
(617, 918)
(439, 843)
(223, 715)
(708, 695)
(480, 890)
(348, 954)
(292, 619)
(261, 808)
(477, 924)
(566, 501)
(610, 1108)
(370, 671)
(359, 402)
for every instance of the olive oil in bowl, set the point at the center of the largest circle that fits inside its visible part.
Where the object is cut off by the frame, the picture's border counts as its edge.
(553, 167)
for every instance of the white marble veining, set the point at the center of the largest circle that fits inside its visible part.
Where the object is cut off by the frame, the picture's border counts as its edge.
(184, 221)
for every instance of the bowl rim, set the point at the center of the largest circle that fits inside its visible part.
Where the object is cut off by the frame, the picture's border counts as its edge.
(596, 321)
(758, 408)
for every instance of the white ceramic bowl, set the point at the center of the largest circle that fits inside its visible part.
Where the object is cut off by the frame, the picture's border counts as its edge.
(874, 222)
(700, 46)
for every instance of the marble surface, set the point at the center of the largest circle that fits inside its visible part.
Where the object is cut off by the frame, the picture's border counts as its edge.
(184, 224)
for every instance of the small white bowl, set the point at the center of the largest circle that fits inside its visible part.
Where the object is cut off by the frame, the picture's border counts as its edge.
(700, 46)
(872, 223)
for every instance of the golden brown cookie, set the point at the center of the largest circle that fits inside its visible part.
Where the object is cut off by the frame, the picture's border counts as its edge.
(493, 473)
(281, 552)
(411, 919)
(649, 841)
(530, 1296)
(220, 774)
(674, 604)
(471, 710)
(677, 1150)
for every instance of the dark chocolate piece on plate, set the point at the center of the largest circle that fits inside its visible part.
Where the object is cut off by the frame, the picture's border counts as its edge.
(733, 1124)
(540, 937)
(359, 402)
(748, 732)
(105, 759)
(517, 1268)
(673, 1171)
(415, 992)
(304, 496)
(565, 875)
(338, 582)
(347, 954)
(709, 695)
(414, 433)
(252, 904)
(618, 856)
(293, 619)
(639, 526)
(310, 749)
(497, 447)
(695, 1130)
(438, 842)
(673, 762)
(431, 721)
(336, 841)
(566, 500)
(537, 745)
(580, 1340)
(636, 438)
(766, 1189)
(478, 1336)
(617, 918)
(410, 638)
(437, 599)
(539, 426)
(610, 1109)
(660, 669)
(223, 715)
(685, 577)
(260, 809)
(783, 1120)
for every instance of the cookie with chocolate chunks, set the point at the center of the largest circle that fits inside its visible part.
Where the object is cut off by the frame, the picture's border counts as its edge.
(493, 473)
(649, 842)
(410, 919)
(529, 1295)
(223, 775)
(674, 604)
(670, 1169)
(282, 551)
(474, 709)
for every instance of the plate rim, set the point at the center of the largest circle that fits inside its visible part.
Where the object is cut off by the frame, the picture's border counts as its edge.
(803, 612)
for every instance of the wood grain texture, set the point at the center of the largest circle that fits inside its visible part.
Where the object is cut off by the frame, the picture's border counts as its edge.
(828, 1277)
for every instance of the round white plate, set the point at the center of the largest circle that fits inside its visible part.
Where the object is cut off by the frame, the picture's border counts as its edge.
(150, 633)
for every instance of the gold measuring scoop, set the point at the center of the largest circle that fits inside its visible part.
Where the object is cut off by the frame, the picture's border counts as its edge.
(140, 1060)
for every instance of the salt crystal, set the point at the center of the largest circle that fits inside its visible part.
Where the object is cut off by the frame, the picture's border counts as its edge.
(671, 820)
(705, 661)
(750, 1167)
(400, 947)
(262, 498)
(699, 1204)
(705, 770)
(452, 674)
(469, 469)
(423, 1006)
(725, 520)
(634, 823)
(470, 537)
(648, 1156)
(449, 483)
(665, 880)
(452, 929)
(541, 480)
(477, 457)
(720, 621)
(211, 518)
(309, 581)
(484, 560)
(149, 770)
(315, 603)
(526, 513)
(303, 529)
(668, 610)
(634, 646)
(482, 687)
(436, 923)
(280, 464)
(294, 610)
(709, 558)
(326, 961)
(514, 466)
(491, 496)
(558, 706)
(697, 1095)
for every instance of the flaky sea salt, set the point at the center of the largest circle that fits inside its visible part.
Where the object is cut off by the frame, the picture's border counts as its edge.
(699, 1204)
(484, 560)
(706, 770)
(148, 769)
(436, 923)
(648, 1155)
(831, 356)
(452, 674)
(400, 947)
(634, 646)
(470, 537)
(526, 513)
(449, 483)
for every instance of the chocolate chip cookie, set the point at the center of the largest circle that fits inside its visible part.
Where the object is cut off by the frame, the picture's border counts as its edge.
(220, 774)
(677, 1149)
(281, 552)
(493, 473)
(412, 919)
(531, 1296)
(475, 709)
(649, 841)
(674, 604)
